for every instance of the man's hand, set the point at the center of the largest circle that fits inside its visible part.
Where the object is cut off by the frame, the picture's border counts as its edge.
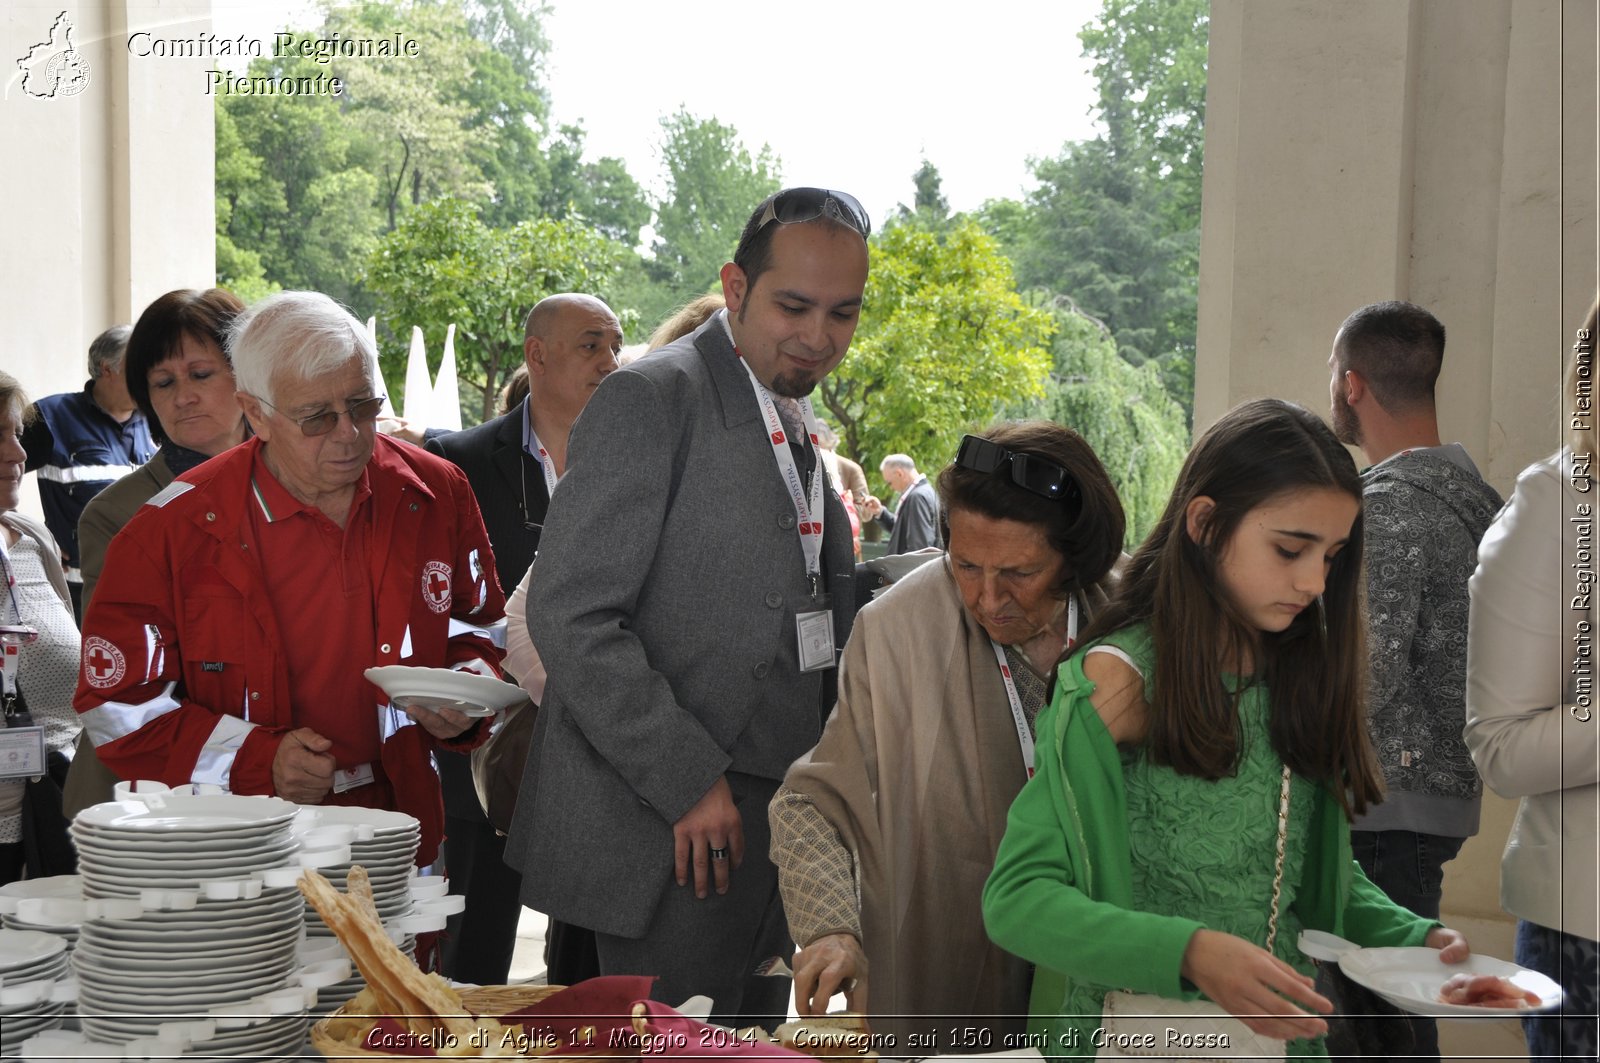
(713, 823)
(443, 724)
(831, 964)
(302, 769)
(1246, 981)
(871, 509)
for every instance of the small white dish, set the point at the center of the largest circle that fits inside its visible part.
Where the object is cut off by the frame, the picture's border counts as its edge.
(1410, 979)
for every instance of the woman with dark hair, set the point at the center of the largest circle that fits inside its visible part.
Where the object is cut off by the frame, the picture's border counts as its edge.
(1201, 759)
(181, 378)
(884, 833)
(45, 670)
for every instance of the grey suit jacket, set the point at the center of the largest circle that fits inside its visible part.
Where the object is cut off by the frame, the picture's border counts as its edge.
(663, 604)
(915, 523)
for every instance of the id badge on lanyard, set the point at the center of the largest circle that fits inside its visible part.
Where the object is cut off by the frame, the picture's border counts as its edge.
(21, 742)
(813, 624)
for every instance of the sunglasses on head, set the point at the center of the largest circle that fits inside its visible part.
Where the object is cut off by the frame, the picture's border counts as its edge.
(795, 205)
(1030, 472)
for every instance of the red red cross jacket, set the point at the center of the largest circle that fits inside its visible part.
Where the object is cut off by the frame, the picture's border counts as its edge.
(183, 674)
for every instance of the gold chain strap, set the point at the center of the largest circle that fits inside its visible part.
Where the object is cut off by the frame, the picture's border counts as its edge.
(1277, 871)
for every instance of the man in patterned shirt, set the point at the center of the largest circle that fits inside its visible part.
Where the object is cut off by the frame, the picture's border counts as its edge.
(1426, 507)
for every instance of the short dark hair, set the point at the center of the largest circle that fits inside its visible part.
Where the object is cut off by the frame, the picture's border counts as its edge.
(1090, 540)
(754, 253)
(201, 315)
(1398, 348)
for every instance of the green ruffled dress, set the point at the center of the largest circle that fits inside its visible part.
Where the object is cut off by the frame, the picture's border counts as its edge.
(1206, 849)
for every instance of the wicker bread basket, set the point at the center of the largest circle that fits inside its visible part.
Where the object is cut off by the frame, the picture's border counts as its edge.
(337, 1037)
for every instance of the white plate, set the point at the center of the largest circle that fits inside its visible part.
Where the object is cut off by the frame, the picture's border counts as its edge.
(1410, 979)
(68, 886)
(187, 813)
(383, 821)
(21, 949)
(434, 688)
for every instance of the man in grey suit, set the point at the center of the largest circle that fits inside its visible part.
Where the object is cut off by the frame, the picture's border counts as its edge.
(570, 344)
(914, 524)
(693, 589)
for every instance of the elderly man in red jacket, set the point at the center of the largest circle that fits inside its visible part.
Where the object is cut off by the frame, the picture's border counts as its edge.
(240, 607)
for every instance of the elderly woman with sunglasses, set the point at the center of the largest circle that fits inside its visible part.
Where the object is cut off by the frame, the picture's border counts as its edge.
(885, 832)
(239, 609)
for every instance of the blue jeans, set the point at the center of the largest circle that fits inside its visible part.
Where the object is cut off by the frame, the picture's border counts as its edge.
(1409, 868)
(1574, 963)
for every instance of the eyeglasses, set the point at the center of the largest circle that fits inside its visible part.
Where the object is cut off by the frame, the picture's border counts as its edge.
(795, 205)
(360, 412)
(1030, 472)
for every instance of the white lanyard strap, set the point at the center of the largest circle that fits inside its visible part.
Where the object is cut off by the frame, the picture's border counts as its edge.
(1018, 715)
(530, 443)
(808, 510)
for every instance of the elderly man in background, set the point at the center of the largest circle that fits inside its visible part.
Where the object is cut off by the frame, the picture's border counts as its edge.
(914, 524)
(239, 608)
(80, 442)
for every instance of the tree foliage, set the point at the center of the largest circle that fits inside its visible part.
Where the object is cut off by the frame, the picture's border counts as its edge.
(1150, 61)
(713, 183)
(307, 184)
(945, 342)
(1123, 411)
(442, 265)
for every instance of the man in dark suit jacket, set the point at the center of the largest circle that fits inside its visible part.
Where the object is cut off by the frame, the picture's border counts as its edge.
(570, 344)
(683, 604)
(914, 525)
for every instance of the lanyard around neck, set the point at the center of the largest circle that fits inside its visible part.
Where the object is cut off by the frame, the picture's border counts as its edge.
(808, 508)
(1019, 716)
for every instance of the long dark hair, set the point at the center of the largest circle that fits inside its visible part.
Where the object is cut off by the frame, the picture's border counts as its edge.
(1316, 678)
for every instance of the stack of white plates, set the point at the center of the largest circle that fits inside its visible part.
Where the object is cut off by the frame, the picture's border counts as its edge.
(385, 844)
(193, 949)
(31, 964)
(176, 841)
(33, 904)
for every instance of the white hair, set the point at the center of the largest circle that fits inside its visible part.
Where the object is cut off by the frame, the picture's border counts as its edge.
(299, 335)
(898, 461)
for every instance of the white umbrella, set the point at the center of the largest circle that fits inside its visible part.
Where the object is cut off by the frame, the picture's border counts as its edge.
(446, 392)
(379, 387)
(419, 389)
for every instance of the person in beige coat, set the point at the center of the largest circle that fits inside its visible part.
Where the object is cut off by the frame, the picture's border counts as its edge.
(1532, 718)
(885, 832)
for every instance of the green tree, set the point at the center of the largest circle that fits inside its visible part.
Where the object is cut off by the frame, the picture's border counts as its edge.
(945, 342)
(713, 183)
(419, 133)
(1096, 234)
(442, 265)
(602, 193)
(292, 195)
(1123, 411)
(1150, 61)
(930, 208)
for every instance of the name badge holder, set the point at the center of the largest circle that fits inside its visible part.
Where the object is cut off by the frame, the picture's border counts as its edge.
(814, 624)
(21, 742)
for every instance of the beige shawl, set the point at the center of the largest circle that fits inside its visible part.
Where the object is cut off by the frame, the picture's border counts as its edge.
(916, 770)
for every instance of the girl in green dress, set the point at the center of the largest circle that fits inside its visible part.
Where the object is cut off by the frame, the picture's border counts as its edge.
(1143, 853)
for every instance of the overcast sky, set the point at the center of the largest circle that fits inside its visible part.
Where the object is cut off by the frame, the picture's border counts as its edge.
(849, 93)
